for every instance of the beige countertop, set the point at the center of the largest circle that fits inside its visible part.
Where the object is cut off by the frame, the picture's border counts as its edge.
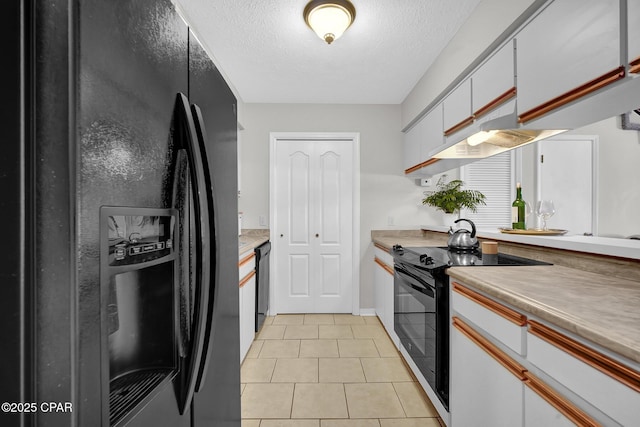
(600, 308)
(408, 238)
(251, 239)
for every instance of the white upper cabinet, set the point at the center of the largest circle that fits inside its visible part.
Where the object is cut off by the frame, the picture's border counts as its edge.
(457, 108)
(423, 138)
(494, 82)
(633, 9)
(411, 142)
(569, 44)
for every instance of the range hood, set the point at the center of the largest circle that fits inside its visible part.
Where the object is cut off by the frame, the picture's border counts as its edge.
(494, 133)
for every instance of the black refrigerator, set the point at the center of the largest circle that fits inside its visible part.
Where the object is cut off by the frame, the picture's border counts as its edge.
(118, 296)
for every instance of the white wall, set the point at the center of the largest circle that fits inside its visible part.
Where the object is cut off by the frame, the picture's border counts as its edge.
(384, 190)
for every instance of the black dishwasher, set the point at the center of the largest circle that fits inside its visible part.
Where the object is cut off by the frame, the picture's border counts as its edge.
(262, 283)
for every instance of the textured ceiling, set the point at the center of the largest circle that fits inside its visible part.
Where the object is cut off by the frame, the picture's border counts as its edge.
(270, 56)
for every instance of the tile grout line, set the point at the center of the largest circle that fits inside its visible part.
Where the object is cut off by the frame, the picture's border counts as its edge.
(293, 396)
(274, 370)
(346, 402)
(399, 400)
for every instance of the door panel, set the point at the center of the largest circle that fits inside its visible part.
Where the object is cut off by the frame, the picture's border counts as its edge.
(299, 198)
(299, 275)
(330, 196)
(565, 170)
(330, 275)
(314, 217)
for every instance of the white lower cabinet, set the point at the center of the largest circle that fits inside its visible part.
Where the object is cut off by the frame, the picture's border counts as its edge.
(498, 380)
(539, 412)
(482, 391)
(383, 288)
(247, 315)
(247, 309)
(596, 378)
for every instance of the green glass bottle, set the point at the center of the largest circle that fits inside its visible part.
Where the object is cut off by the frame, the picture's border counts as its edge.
(518, 210)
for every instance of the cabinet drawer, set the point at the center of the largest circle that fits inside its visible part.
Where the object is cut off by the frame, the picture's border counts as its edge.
(383, 255)
(246, 265)
(504, 324)
(593, 376)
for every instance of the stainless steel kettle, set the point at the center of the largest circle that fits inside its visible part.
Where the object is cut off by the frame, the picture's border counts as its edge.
(462, 239)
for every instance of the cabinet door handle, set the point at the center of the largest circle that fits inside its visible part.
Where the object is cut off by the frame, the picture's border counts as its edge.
(317, 235)
(282, 235)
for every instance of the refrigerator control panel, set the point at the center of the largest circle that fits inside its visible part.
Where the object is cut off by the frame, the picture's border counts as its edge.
(134, 237)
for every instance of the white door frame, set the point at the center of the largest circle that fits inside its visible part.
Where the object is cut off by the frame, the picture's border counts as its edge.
(593, 139)
(354, 139)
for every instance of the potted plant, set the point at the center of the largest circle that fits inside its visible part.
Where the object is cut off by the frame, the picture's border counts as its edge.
(450, 198)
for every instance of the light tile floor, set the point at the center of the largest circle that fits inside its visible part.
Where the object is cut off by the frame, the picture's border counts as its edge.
(329, 370)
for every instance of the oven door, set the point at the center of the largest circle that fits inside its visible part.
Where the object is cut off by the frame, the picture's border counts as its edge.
(420, 322)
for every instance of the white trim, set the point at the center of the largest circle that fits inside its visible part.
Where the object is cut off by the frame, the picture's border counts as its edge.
(354, 139)
(368, 312)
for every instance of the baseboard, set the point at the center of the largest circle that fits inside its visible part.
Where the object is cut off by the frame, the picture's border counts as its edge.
(367, 312)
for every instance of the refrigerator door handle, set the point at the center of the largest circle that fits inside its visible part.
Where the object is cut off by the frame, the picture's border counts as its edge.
(212, 262)
(202, 201)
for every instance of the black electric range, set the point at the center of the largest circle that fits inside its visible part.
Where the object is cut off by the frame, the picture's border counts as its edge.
(421, 304)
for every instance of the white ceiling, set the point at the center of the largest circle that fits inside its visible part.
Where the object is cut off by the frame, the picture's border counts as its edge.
(269, 54)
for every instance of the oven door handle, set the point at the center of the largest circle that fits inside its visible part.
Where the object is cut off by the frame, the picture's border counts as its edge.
(412, 281)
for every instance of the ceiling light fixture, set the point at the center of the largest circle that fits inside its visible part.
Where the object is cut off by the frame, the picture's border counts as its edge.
(329, 18)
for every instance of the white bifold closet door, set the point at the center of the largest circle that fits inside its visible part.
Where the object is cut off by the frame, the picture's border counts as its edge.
(314, 205)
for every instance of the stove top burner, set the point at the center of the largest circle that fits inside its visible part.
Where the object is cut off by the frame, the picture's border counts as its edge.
(426, 259)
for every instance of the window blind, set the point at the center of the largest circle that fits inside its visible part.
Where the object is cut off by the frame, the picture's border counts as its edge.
(493, 177)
